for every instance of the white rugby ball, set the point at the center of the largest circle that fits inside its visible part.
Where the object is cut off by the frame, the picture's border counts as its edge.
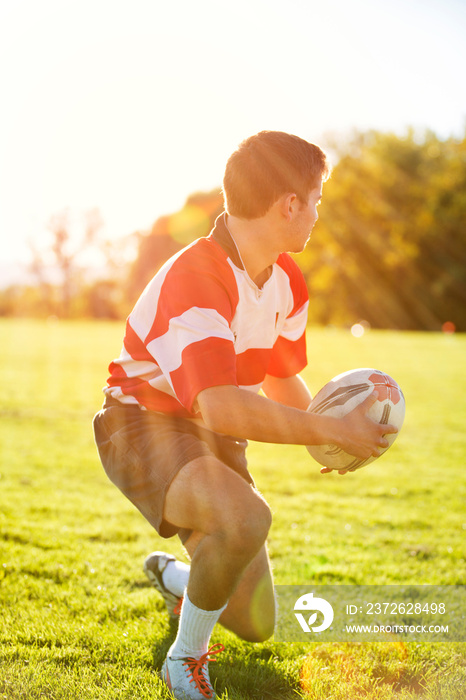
(341, 395)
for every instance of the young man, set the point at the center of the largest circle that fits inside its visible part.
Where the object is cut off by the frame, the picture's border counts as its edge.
(221, 320)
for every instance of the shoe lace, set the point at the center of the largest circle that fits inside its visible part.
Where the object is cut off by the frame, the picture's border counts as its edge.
(197, 670)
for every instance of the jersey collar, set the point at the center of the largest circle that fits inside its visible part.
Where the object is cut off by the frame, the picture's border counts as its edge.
(223, 237)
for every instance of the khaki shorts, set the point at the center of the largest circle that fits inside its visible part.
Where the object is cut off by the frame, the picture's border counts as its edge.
(143, 451)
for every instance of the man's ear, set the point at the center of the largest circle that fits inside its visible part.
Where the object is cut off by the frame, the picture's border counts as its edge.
(287, 205)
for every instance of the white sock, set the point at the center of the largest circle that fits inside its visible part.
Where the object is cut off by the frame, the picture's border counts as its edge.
(194, 630)
(175, 577)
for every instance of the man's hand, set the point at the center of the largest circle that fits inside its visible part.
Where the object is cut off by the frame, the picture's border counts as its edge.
(362, 436)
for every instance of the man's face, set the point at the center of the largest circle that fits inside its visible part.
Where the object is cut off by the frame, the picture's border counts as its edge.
(304, 220)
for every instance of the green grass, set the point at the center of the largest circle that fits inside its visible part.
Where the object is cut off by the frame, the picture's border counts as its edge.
(79, 619)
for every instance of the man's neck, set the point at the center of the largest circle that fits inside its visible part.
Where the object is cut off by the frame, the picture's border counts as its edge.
(254, 242)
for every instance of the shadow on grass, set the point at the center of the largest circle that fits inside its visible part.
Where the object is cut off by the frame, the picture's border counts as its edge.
(160, 650)
(255, 673)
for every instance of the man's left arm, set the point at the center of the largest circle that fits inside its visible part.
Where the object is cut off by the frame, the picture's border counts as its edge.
(290, 391)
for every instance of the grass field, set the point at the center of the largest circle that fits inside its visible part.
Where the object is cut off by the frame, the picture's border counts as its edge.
(79, 619)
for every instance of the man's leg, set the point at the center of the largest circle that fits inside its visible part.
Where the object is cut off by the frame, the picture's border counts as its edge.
(232, 520)
(251, 609)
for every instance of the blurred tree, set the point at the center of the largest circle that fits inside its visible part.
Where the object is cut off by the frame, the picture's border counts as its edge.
(102, 299)
(171, 233)
(27, 301)
(154, 249)
(62, 255)
(390, 245)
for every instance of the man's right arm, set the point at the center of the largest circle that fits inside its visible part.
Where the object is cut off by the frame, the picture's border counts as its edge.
(234, 411)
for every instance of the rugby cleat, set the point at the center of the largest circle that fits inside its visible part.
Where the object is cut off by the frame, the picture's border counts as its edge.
(154, 566)
(188, 679)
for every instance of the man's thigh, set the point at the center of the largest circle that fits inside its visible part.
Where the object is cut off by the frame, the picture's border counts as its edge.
(143, 452)
(210, 498)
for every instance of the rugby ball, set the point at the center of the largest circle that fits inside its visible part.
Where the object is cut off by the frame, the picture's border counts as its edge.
(341, 395)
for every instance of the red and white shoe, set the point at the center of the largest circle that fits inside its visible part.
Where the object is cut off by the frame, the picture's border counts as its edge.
(188, 679)
(154, 566)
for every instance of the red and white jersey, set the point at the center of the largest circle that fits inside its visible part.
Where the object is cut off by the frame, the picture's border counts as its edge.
(203, 322)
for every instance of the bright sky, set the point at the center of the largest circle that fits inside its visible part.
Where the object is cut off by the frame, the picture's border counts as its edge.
(132, 106)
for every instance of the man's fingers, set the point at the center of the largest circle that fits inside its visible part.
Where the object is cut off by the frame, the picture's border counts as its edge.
(366, 405)
(327, 470)
(369, 401)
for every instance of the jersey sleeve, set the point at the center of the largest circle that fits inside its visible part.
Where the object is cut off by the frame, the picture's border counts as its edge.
(289, 354)
(190, 337)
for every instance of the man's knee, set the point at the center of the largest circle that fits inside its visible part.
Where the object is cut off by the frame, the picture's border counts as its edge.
(258, 624)
(245, 524)
(251, 611)
(257, 635)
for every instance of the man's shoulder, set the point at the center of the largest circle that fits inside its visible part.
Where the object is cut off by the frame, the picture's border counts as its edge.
(202, 254)
(199, 275)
